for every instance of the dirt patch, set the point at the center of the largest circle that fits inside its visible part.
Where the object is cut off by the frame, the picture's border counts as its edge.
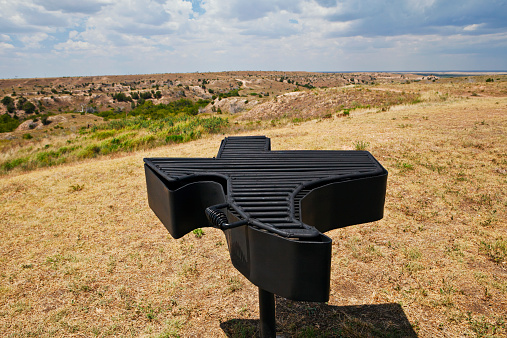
(28, 125)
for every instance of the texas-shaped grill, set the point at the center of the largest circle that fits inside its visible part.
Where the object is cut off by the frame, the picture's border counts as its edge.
(273, 207)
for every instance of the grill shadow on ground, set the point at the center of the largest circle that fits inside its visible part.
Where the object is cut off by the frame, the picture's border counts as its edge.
(307, 319)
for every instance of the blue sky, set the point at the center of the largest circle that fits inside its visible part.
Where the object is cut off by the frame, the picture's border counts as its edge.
(43, 38)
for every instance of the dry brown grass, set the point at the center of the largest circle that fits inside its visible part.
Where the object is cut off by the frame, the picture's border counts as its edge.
(83, 255)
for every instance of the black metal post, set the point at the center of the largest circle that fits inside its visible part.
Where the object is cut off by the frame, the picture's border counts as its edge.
(267, 314)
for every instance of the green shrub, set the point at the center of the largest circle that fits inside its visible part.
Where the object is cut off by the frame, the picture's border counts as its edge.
(47, 159)
(7, 101)
(9, 165)
(174, 139)
(21, 101)
(27, 136)
(234, 92)
(213, 124)
(8, 123)
(101, 135)
(145, 95)
(110, 146)
(28, 107)
(121, 97)
(146, 140)
(90, 151)
(65, 150)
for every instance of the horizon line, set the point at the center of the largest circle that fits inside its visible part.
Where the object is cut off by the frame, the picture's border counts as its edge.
(497, 72)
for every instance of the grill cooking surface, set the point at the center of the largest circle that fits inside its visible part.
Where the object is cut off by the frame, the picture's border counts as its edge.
(265, 187)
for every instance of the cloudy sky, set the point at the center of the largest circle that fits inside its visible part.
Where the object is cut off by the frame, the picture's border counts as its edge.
(43, 38)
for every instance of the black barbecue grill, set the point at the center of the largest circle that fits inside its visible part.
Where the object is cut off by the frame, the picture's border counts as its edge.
(273, 207)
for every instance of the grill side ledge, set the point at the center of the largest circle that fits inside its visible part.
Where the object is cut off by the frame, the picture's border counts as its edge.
(181, 210)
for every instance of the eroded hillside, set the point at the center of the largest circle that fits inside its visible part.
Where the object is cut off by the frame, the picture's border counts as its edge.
(74, 119)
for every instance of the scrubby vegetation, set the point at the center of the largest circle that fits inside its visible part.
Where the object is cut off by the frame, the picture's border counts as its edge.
(8, 123)
(234, 92)
(144, 127)
(159, 111)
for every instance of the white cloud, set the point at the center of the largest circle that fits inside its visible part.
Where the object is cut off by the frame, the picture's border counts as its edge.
(272, 26)
(5, 47)
(474, 27)
(72, 46)
(5, 37)
(239, 10)
(26, 17)
(34, 40)
(73, 6)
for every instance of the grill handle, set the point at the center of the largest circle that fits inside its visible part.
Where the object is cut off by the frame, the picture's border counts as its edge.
(218, 219)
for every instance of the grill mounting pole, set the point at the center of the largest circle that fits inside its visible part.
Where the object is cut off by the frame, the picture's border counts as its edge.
(267, 314)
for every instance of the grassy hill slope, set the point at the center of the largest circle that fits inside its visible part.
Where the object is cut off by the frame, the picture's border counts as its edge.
(83, 255)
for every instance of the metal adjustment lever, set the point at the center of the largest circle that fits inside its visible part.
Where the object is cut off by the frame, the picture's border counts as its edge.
(218, 219)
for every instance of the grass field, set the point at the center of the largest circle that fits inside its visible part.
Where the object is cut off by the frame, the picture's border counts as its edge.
(83, 255)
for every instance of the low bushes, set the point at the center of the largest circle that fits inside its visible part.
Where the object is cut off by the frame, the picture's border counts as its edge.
(150, 126)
